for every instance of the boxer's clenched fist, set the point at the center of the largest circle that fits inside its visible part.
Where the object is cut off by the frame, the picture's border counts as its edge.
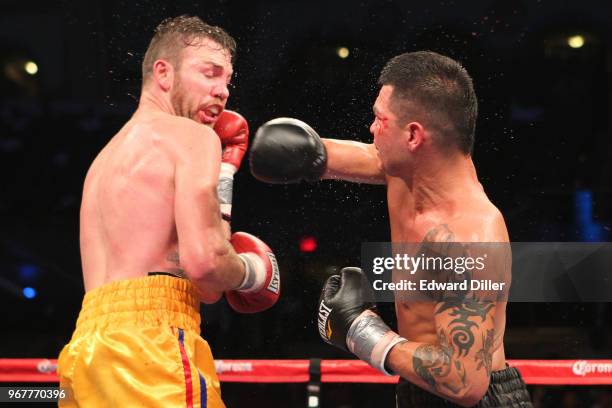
(347, 318)
(260, 288)
(287, 150)
(233, 130)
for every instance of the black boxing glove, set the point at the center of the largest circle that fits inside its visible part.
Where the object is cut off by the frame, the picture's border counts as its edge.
(287, 150)
(347, 319)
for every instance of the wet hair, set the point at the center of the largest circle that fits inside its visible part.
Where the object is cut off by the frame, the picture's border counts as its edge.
(437, 91)
(174, 34)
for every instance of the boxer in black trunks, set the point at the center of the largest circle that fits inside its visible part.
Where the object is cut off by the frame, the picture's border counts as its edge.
(423, 128)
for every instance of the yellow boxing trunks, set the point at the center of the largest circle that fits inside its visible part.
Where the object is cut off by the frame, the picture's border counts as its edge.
(137, 344)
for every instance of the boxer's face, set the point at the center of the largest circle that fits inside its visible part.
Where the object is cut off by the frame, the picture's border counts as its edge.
(387, 134)
(200, 88)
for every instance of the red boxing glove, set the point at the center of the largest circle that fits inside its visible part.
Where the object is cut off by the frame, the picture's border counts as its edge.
(233, 130)
(260, 287)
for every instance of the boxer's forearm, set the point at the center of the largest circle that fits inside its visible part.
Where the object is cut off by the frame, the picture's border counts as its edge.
(353, 161)
(438, 371)
(225, 271)
(206, 254)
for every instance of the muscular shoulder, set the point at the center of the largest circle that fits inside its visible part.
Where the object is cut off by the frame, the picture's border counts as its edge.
(487, 224)
(183, 136)
(482, 224)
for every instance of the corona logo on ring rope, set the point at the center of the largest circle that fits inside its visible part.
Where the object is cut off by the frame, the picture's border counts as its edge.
(46, 366)
(584, 367)
(542, 372)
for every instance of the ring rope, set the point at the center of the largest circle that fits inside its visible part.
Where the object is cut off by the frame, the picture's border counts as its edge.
(545, 372)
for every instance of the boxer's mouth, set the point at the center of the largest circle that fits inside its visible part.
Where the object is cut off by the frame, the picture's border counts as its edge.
(210, 113)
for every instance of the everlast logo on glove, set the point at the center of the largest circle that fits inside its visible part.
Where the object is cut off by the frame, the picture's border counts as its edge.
(325, 330)
(274, 285)
(261, 284)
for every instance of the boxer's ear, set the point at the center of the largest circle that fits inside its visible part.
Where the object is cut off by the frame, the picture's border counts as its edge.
(415, 135)
(163, 73)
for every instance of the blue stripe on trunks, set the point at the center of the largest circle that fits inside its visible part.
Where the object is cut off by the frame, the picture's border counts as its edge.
(203, 396)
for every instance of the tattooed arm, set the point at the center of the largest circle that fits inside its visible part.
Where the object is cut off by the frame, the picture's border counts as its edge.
(458, 365)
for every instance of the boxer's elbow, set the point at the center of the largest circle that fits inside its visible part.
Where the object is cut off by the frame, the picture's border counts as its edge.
(203, 270)
(473, 392)
(200, 268)
(202, 264)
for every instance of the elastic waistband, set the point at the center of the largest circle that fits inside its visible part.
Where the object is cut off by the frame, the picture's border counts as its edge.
(506, 389)
(148, 301)
(508, 374)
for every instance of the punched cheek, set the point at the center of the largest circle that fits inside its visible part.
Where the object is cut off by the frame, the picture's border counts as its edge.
(380, 125)
(384, 124)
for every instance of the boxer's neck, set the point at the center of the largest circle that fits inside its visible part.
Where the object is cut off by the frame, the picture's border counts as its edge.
(443, 182)
(153, 101)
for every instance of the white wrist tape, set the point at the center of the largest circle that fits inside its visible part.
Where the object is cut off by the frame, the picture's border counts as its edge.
(254, 273)
(370, 339)
(225, 187)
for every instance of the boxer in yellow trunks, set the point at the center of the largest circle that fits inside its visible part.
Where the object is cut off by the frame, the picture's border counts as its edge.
(155, 236)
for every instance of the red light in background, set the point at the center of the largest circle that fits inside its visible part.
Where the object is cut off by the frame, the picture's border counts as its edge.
(308, 244)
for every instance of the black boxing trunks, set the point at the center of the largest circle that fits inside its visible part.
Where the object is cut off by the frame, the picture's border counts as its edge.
(506, 390)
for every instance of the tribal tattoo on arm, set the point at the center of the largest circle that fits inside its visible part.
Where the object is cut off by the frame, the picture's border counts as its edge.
(484, 356)
(459, 316)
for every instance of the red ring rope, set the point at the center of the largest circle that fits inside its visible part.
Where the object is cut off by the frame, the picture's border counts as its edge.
(549, 372)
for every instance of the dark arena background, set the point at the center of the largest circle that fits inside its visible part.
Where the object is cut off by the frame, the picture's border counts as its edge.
(70, 77)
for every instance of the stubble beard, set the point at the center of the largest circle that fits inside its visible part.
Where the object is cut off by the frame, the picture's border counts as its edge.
(178, 101)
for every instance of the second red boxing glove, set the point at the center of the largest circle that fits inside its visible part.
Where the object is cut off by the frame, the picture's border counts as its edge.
(260, 288)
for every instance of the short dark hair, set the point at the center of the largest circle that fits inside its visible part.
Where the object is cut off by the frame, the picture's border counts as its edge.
(436, 90)
(174, 34)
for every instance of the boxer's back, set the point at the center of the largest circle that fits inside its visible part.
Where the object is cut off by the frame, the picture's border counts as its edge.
(127, 211)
